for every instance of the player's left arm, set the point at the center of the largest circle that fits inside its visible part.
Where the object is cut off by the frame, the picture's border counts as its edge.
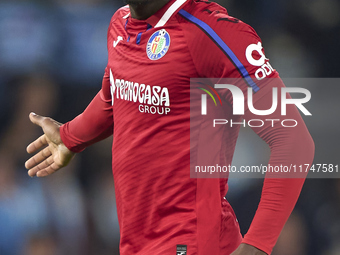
(290, 146)
(236, 51)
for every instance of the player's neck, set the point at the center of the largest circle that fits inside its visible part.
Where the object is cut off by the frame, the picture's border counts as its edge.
(144, 11)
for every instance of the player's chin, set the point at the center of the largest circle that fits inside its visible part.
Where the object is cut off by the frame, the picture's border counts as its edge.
(138, 2)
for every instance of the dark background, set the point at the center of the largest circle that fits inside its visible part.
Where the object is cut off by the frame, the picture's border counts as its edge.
(52, 59)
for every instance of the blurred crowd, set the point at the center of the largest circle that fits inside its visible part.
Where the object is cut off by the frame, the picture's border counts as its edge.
(52, 59)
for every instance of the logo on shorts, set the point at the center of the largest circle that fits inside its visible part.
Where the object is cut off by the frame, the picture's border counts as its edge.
(158, 45)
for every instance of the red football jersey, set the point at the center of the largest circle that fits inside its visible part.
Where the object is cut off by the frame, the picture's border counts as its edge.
(145, 102)
(148, 78)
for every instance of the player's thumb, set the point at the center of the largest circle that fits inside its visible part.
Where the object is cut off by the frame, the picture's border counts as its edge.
(36, 119)
(48, 125)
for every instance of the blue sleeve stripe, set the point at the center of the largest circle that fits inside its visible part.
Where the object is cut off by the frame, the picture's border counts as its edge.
(223, 46)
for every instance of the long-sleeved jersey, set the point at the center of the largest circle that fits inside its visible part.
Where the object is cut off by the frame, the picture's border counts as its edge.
(145, 103)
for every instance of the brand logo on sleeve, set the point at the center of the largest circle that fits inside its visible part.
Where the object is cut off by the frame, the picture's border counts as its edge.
(158, 45)
(115, 43)
(256, 57)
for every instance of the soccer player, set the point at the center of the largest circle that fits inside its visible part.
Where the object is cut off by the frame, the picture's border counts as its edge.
(154, 48)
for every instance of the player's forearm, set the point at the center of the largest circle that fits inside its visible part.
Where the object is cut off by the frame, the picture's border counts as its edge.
(278, 199)
(273, 212)
(289, 146)
(93, 125)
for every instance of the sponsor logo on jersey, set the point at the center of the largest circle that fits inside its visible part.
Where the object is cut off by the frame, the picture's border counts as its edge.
(265, 68)
(158, 45)
(151, 99)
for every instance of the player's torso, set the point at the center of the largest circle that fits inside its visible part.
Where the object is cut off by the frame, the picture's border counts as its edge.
(150, 70)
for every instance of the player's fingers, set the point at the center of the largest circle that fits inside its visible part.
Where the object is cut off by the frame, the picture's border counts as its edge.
(48, 170)
(43, 165)
(38, 158)
(37, 144)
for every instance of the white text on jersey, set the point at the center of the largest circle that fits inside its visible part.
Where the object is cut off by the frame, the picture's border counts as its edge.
(152, 99)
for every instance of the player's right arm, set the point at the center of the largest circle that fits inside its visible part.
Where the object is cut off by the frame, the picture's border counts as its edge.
(59, 143)
(93, 125)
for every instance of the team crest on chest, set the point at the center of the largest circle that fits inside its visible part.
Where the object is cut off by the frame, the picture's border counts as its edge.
(158, 45)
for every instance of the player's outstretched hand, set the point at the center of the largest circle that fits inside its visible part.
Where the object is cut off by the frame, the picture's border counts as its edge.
(51, 154)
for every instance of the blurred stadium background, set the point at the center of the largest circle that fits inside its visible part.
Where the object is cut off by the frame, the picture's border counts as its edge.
(52, 58)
